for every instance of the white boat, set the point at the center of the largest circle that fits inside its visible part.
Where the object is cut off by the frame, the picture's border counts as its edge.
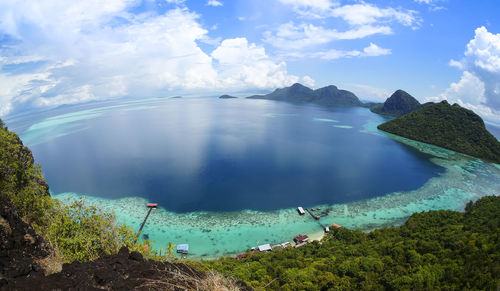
(301, 210)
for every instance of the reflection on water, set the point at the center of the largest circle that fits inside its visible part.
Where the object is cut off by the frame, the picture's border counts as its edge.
(224, 155)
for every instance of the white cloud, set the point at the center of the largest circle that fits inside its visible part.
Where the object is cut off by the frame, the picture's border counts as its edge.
(243, 65)
(363, 14)
(479, 86)
(362, 19)
(469, 90)
(374, 50)
(214, 3)
(433, 4)
(291, 37)
(308, 81)
(311, 8)
(99, 50)
(365, 92)
(370, 51)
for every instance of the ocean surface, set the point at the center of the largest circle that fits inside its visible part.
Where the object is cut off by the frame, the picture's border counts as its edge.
(229, 173)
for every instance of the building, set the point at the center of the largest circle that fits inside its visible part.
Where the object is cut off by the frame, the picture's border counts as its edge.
(241, 256)
(265, 248)
(301, 239)
(335, 225)
(285, 244)
(183, 248)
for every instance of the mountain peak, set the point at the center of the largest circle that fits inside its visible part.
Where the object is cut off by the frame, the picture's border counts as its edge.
(399, 103)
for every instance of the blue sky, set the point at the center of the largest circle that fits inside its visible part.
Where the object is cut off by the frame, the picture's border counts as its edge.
(59, 52)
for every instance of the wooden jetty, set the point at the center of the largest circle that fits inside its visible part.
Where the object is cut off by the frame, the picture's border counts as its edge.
(312, 214)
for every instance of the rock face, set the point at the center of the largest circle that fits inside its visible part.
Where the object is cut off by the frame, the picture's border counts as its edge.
(123, 271)
(329, 95)
(447, 126)
(21, 247)
(398, 104)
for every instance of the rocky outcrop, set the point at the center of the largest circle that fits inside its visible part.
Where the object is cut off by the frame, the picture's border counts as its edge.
(21, 248)
(125, 271)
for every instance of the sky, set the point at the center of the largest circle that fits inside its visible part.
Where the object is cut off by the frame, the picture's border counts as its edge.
(58, 52)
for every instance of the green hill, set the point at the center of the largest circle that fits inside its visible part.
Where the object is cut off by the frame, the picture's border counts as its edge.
(447, 126)
(329, 95)
(398, 104)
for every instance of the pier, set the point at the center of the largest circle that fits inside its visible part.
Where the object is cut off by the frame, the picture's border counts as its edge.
(151, 206)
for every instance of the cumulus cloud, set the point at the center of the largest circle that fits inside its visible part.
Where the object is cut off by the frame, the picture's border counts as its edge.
(374, 50)
(479, 86)
(308, 81)
(63, 52)
(241, 63)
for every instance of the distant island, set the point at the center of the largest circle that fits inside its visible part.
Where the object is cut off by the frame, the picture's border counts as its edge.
(329, 95)
(448, 126)
(398, 104)
(227, 97)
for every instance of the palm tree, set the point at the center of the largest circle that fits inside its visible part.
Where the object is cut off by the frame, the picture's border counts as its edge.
(170, 250)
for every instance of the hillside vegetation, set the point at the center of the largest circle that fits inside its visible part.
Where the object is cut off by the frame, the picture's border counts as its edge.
(447, 126)
(77, 232)
(436, 250)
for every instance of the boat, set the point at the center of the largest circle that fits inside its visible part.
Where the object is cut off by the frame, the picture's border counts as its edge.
(301, 210)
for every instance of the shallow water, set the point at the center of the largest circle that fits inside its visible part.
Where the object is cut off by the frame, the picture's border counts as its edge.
(440, 179)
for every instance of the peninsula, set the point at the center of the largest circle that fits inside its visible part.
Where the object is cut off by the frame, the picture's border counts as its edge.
(448, 126)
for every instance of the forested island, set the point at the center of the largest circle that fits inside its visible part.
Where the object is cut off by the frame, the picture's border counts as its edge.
(448, 126)
(329, 95)
(227, 97)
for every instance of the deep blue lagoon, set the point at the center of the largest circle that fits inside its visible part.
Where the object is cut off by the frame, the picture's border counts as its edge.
(224, 155)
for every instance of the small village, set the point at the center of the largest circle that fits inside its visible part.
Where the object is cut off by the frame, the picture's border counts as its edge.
(299, 240)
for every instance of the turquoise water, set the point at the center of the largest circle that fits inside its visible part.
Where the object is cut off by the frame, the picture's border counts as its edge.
(217, 233)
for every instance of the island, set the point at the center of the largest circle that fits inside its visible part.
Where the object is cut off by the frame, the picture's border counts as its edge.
(398, 104)
(448, 126)
(225, 96)
(329, 95)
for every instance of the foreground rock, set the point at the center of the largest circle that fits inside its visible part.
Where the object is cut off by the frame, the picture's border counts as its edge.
(21, 248)
(126, 271)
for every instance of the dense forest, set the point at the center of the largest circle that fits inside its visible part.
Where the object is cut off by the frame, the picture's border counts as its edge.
(447, 126)
(436, 250)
